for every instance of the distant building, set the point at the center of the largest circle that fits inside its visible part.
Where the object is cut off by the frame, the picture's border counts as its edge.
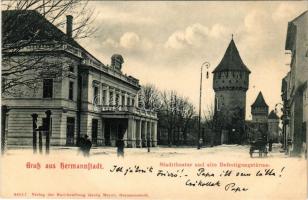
(93, 99)
(285, 96)
(259, 109)
(262, 125)
(258, 126)
(295, 92)
(230, 83)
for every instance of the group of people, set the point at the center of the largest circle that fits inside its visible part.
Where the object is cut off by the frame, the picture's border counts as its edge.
(85, 144)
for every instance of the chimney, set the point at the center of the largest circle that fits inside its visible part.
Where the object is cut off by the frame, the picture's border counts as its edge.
(69, 25)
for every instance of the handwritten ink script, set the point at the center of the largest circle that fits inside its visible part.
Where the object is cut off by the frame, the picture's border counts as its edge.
(229, 177)
(200, 177)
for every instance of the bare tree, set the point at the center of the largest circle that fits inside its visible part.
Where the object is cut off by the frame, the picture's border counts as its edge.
(167, 114)
(186, 111)
(31, 34)
(176, 116)
(149, 97)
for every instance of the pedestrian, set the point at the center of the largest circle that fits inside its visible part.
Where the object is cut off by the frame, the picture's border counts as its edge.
(81, 144)
(270, 144)
(120, 147)
(87, 146)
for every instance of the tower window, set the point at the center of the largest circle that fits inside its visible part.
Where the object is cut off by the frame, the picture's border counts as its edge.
(47, 88)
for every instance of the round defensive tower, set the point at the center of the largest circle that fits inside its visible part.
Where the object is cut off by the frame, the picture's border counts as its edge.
(230, 83)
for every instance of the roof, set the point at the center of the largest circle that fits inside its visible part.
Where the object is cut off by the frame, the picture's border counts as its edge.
(18, 25)
(259, 102)
(29, 24)
(273, 115)
(231, 61)
(291, 32)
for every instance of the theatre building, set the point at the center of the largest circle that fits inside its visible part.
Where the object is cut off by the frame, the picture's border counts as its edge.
(93, 98)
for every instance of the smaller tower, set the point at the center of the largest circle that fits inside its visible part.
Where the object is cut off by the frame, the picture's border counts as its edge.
(259, 110)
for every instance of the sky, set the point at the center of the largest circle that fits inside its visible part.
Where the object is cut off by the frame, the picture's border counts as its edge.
(165, 43)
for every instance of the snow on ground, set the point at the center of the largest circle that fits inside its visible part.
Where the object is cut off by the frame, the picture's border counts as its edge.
(238, 151)
(289, 181)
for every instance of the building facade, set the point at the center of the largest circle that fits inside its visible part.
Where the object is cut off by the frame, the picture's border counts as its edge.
(295, 92)
(90, 98)
(273, 127)
(230, 83)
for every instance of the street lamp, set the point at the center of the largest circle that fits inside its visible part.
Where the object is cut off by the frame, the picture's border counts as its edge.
(207, 66)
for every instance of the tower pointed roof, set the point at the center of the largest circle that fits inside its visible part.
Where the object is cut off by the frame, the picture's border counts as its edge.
(259, 102)
(273, 115)
(232, 60)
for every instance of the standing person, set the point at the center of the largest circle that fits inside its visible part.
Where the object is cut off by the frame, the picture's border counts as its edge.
(87, 146)
(81, 144)
(270, 144)
(120, 147)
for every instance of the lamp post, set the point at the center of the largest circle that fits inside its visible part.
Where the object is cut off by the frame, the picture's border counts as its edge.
(207, 65)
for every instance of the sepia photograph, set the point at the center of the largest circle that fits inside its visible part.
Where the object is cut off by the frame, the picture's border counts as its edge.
(154, 100)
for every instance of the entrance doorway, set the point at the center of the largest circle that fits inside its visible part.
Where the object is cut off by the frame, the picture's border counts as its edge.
(114, 130)
(94, 131)
(70, 129)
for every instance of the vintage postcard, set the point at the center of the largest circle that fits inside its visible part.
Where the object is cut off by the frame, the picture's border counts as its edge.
(154, 100)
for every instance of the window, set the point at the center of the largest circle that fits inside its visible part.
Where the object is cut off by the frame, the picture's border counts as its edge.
(128, 101)
(95, 95)
(117, 99)
(3, 83)
(47, 88)
(123, 100)
(133, 102)
(71, 68)
(95, 91)
(71, 91)
(70, 129)
(104, 97)
(110, 98)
